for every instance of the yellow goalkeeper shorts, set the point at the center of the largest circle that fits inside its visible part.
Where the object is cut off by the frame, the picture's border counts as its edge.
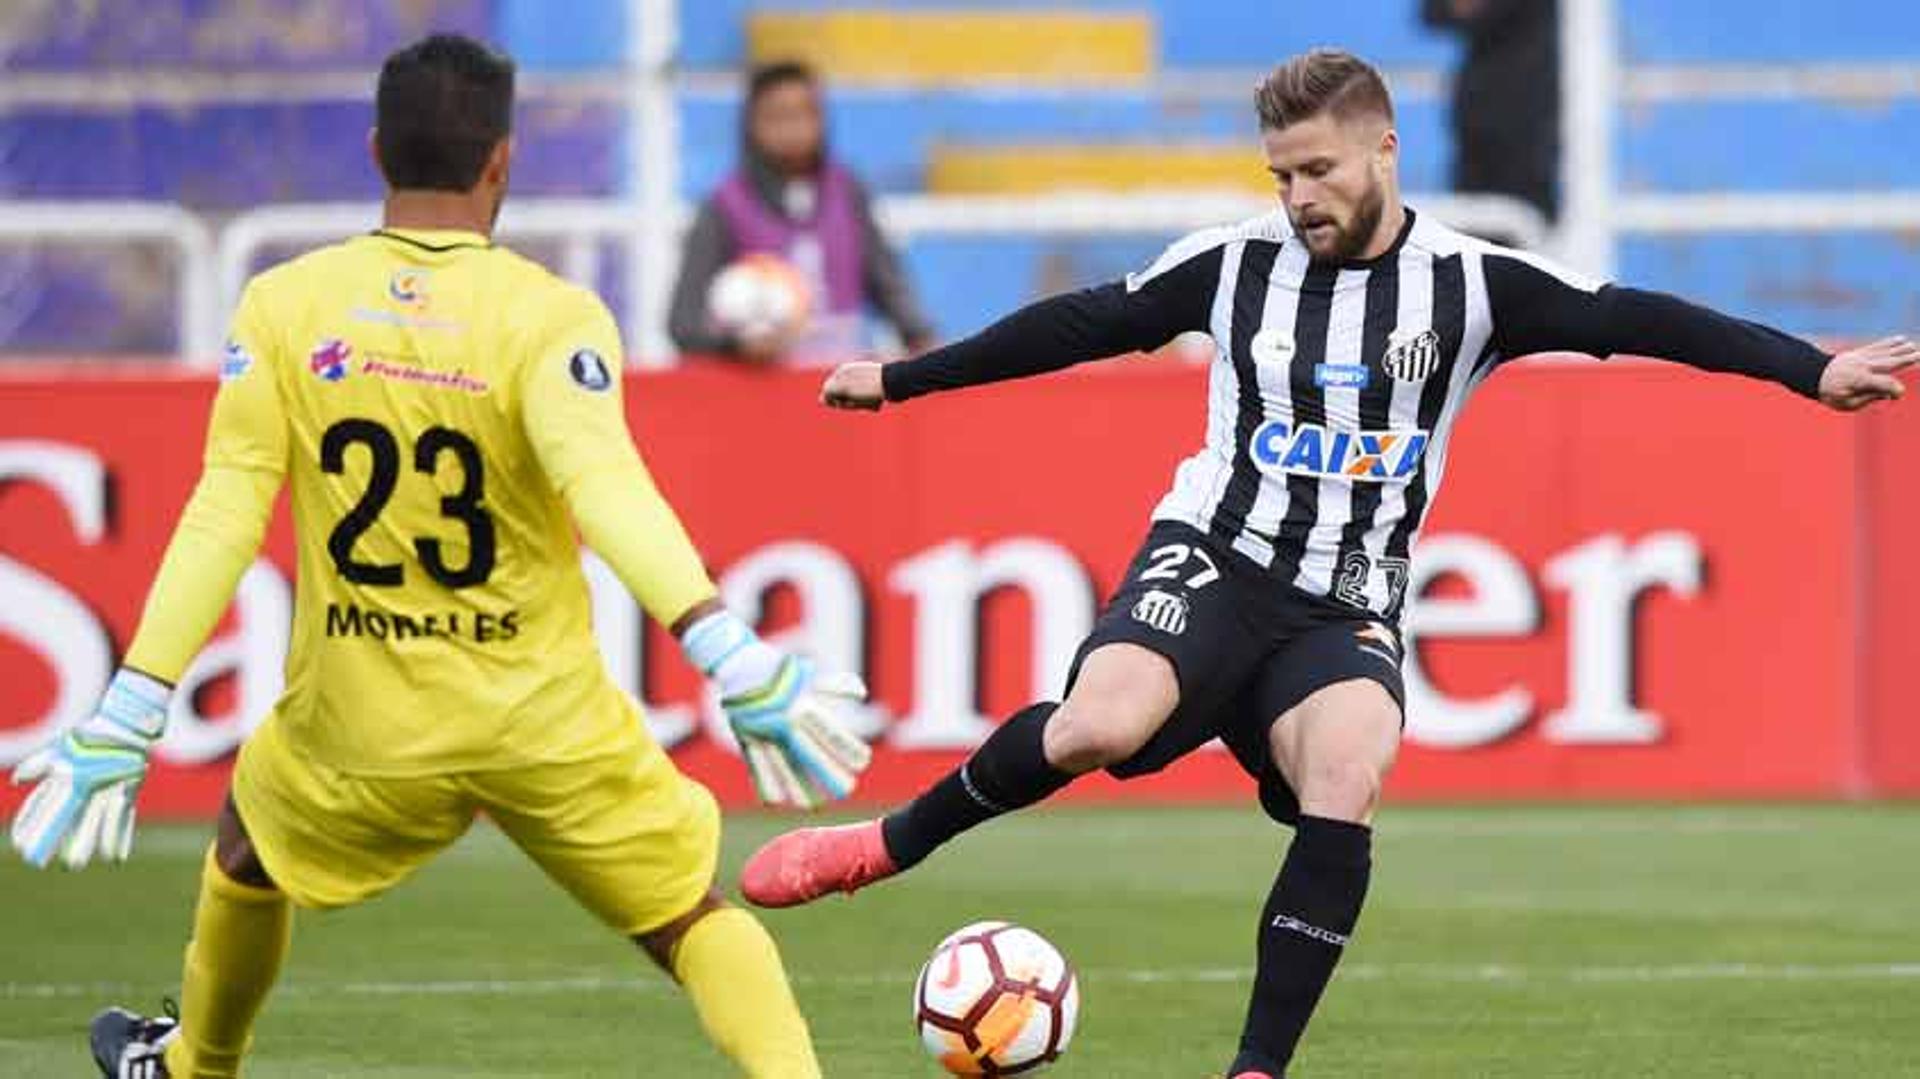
(630, 837)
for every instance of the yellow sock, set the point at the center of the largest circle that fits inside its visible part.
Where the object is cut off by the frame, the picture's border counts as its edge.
(730, 968)
(240, 935)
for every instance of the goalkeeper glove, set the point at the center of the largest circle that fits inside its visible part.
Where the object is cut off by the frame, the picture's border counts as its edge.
(89, 777)
(797, 748)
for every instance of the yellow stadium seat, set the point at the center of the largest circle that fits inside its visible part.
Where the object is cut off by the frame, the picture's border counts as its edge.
(945, 46)
(1030, 169)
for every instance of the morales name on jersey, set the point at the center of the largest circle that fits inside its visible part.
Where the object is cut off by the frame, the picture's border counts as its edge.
(1308, 449)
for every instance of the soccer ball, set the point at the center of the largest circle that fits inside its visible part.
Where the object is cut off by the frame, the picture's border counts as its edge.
(759, 295)
(996, 999)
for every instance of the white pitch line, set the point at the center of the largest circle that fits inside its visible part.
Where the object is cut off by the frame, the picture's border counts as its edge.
(1790, 972)
(1666, 825)
(1419, 822)
(1479, 973)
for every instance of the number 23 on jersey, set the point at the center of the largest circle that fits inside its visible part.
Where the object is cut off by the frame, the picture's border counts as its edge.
(464, 508)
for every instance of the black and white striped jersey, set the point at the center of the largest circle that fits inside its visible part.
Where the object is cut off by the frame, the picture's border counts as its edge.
(1335, 386)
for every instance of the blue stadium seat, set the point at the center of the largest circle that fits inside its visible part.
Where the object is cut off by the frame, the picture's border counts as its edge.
(1769, 31)
(1235, 34)
(1768, 145)
(238, 156)
(968, 282)
(1845, 285)
(593, 34)
(276, 35)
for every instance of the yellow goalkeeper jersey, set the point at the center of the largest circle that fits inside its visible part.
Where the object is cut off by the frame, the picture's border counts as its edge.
(439, 405)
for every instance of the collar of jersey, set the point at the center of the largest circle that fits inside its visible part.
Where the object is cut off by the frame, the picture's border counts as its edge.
(436, 239)
(1392, 251)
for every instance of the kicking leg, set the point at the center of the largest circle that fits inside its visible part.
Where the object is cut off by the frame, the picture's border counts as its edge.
(1334, 749)
(1123, 694)
(728, 965)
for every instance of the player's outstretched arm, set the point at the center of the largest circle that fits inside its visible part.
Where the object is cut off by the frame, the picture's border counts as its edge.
(87, 780)
(1869, 374)
(1122, 317)
(858, 385)
(785, 715)
(1538, 307)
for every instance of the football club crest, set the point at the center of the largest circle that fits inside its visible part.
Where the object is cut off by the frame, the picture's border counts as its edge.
(408, 288)
(1163, 611)
(1413, 359)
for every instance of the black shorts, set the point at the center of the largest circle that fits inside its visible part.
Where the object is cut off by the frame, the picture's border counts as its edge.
(1245, 647)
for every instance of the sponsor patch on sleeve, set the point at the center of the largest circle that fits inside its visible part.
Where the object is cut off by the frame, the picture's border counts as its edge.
(590, 371)
(236, 362)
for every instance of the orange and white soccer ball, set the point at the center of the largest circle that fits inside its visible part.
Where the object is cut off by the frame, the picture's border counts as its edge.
(759, 295)
(996, 999)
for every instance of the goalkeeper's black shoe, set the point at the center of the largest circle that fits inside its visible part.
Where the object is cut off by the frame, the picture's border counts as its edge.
(129, 1046)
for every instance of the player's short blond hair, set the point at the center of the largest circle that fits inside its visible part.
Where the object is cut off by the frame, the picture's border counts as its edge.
(1322, 81)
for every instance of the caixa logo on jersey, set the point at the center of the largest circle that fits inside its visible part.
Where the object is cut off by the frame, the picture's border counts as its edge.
(1312, 450)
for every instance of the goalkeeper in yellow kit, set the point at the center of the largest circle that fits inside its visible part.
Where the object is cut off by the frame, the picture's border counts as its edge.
(446, 412)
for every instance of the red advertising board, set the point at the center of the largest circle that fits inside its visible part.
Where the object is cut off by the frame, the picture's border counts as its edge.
(1639, 582)
(1888, 585)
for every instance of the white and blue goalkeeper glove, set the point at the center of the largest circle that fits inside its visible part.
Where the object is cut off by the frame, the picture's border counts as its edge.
(786, 716)
(89, 777)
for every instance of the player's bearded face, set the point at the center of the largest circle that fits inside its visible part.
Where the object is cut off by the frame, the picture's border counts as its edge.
(1333, 237)
(1332, 179)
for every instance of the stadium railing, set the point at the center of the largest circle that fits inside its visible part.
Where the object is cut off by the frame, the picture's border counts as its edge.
(213, 264)
(197, 297)
(581, 226)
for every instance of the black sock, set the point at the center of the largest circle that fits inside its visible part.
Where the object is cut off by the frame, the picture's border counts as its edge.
(1009, 771)
(1309, 915)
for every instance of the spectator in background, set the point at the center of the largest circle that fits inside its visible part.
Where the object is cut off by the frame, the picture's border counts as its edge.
(1506, 97)
(790, 198)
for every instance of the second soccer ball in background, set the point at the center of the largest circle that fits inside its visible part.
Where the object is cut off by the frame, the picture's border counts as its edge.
(759, 295)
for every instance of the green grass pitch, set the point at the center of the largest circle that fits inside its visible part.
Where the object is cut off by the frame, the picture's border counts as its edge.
(1526, 942)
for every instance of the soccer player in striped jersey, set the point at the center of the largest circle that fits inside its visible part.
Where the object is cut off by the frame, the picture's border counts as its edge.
(1264, 605)
(445, 413)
